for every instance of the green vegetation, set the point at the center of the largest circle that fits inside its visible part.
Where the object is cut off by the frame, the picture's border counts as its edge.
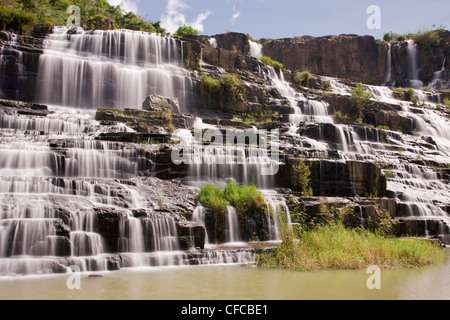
(232, 87)
(249, 118)
(228, 86)
(389, 173)
(186, 30)
(132, 22)
(249, 37)
(301, 78)
(246, 199)
(447, 102)
(22, 15)
(161, 203)
(341, 117)
(333, 246)
(209, 84)
(270, 62)
(425, 38)
(360, 97)
(303, 178)
(20, 21)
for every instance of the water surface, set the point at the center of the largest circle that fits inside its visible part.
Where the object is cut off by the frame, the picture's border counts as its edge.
(234, 283)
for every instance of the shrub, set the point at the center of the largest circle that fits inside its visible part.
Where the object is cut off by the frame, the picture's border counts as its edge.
(275, 64)
(209, 84)
(232, 87)
(360, 97)
(335, 247)
(389, 36)
(301, 78)
(186, 30)
(427, 38)
(246, 199)
(409, 94)
(415, 101)
(303, 178)
(447, 102)
(132, 22)
(21, 22)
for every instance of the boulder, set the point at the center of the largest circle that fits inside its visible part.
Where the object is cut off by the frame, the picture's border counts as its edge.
(159, 103)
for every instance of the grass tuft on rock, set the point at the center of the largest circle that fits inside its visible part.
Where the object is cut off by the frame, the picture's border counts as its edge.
(335, 247)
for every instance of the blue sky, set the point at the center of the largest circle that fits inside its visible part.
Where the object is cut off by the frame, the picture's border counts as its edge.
(289, 18)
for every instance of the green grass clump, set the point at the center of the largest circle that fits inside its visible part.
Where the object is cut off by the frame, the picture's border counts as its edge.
(270, 62)
(360, 97)
(303, 178)
(447, 102)
(246, 199)
(20, 21)
(301, 78)
(229, 86)
(232, 87)
(209, 84)
(334, 246)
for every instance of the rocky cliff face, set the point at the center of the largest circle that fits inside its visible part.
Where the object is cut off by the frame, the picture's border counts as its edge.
(19, 66)
(358, 58)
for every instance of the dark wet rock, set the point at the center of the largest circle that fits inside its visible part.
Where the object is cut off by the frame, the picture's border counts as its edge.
(191, 235)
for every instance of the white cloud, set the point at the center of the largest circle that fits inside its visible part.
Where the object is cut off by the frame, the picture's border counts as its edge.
(174, 18)
(127, 5)
(234, 17)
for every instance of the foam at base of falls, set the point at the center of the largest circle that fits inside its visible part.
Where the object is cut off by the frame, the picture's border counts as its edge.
(106, 262)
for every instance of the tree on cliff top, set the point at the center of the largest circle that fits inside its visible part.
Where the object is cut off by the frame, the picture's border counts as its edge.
(22, 15)
(186, 30)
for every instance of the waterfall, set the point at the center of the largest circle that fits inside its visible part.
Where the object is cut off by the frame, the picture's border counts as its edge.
(255, 49)
(413, 65)
(389, 65)
(111, 69)
(213, 42)
(305, 110)
(277, 212)
(232, 228)
(199, 217)
(441, 79)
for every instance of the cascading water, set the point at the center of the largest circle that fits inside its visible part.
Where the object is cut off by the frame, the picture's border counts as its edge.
(441, 79)
(232, 229)
(111, 69)
(213, 42)
(413, 65)
(305, 110)
(70, 199)
(389, 76)
(256, 49)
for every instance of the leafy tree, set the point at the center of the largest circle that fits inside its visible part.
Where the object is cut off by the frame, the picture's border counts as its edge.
(132, 22)
(186, 30)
